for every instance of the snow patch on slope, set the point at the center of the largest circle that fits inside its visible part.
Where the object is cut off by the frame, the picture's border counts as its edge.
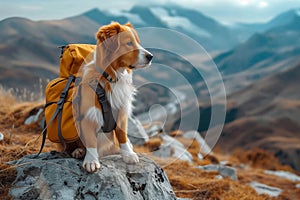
(178, 22)
(133, 18)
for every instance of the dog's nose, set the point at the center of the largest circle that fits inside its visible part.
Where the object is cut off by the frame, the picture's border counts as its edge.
(149, 56)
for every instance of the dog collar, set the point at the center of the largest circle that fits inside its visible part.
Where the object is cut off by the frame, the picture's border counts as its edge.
(108, 77)
(104, 73)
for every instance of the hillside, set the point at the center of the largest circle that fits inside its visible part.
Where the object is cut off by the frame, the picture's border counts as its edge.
(263, 54)
(267, 116)
(30, 47)
(250, 165)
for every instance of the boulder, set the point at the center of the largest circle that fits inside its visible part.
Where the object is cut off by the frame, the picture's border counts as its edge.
(34, 118)
(56, 176)
(204, 148)
(172, 148)
(223, 170)
(265, 189)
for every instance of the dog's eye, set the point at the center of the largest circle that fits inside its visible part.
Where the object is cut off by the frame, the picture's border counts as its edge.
(130, 44)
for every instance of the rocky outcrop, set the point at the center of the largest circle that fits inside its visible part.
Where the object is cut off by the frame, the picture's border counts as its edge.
(224, 171)
(55, 176)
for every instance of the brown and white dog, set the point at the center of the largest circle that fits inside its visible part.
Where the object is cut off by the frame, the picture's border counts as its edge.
(118, 52)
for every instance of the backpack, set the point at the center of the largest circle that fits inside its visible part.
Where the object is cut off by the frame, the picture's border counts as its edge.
(60, 124)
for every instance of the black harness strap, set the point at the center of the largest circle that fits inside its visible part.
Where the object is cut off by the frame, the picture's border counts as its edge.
(58, 112)
(108, 117)
(60, 105)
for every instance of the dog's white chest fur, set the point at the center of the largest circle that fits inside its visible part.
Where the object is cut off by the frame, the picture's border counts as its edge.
(122, 93)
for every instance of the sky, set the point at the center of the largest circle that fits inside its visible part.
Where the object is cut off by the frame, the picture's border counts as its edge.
(226, 11)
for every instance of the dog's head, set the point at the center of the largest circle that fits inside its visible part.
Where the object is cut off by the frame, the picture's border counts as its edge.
(121, 44)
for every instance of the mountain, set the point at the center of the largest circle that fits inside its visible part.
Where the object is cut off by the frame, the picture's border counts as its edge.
(261, 55)
(246, 30)
(267, 116)
(30, 47)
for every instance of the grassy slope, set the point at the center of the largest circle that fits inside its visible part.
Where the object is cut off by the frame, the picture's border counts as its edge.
(187, 181)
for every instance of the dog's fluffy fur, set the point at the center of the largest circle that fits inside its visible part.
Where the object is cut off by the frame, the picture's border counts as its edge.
(118, 52)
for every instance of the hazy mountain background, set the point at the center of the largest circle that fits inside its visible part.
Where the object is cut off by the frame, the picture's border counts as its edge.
(259, 63)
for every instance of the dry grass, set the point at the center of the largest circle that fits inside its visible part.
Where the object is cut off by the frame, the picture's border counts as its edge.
(259, 158)
(187, 180)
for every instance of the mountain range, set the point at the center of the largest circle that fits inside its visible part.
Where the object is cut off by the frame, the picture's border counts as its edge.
(258, 62)
(30, 47)
(267, 116)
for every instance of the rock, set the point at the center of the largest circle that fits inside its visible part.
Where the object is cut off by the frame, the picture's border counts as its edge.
(136, 132)
(298, 185)
(170, 140)
(229, 172)
(204, 148)
(154, 129)
(265, 189)
(209, 167)
(200, 157)
(224, 171)
(182, 154)
(164, 151)
(172, 148)
(219, 177)
(34, 118)
(56, 176)
(284, 174)
(1, 136)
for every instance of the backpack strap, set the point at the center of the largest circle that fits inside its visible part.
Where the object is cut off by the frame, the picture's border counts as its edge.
(58, 112)
(108, 117)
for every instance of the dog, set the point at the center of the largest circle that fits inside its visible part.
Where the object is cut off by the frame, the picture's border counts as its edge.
(117, 54)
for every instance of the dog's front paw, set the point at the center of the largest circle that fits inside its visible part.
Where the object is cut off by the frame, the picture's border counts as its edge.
(91, 162)
(128, 155)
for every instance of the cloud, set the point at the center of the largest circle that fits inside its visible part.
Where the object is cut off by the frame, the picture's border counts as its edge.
(262, 4)
(31, 7)
(223, 10)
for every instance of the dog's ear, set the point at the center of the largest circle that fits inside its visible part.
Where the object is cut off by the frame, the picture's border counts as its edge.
(129, 24)
(107, 31)
(108, 36)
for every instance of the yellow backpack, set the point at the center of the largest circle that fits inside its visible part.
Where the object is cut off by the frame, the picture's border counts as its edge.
(59, 121)
(60, 125)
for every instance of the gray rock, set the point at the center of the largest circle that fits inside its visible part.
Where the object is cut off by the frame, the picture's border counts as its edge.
(136, 132)
(219, 177)
(284, 174)
(172, 148)
(224, 171)
(154, 129)
(229, 172)
(170, 140)
(34, 118)
(182, 154)
(164, 151)
(209, 167)
(200, 156)
(56, 176)
(298, 185)
(204, 148)
(1, 136)
(265, 189)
